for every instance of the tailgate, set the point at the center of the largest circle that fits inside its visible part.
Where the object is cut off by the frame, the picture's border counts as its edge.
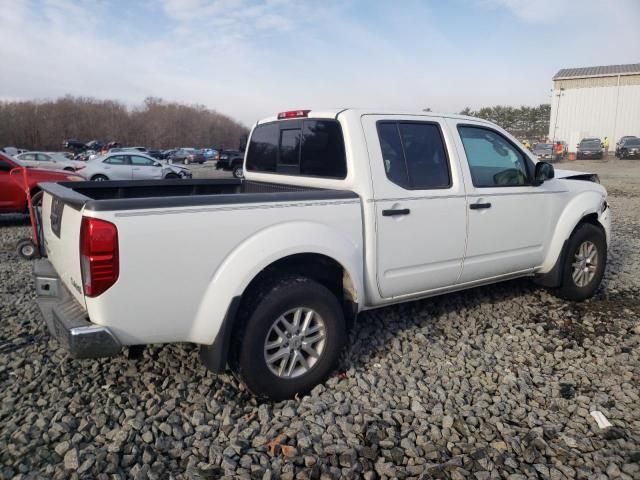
(61, 238)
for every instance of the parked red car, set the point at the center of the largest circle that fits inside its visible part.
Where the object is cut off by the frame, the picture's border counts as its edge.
(13, 198)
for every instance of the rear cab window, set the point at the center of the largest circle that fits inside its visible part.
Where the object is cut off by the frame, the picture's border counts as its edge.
(302, 147)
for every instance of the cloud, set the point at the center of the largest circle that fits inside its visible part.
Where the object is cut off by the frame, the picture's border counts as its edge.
(251, 58)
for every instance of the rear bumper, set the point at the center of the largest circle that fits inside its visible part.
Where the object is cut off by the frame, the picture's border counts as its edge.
(67, 320)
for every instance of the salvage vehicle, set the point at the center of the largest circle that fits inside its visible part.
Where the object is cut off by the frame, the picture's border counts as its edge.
(543, 151)
(231, 160)
(630, 148)
(49, 161)
(341, 211)
(13, 195)
(127, 165)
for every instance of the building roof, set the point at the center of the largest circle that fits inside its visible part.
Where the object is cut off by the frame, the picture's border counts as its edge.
(601, 71)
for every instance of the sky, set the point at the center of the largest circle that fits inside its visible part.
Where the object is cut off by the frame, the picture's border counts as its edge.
(250, 59)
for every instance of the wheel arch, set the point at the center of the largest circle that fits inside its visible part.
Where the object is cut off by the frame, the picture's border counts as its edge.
(580, 211)
(313, 249)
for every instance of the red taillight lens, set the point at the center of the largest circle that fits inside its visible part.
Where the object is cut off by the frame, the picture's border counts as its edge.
(98, 255)
(293, 114)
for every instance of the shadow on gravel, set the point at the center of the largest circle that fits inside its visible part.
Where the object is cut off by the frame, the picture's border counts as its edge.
(13, 220)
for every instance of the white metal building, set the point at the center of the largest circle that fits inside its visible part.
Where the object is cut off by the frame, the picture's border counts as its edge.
(595, 102)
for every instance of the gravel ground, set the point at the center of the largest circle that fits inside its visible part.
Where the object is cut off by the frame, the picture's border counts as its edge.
(496, 382)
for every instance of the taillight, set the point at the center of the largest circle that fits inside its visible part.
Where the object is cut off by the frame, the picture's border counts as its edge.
(293, 114)
(98, 255)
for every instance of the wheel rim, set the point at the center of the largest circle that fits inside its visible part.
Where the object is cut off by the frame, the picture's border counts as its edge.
(99, 179)
(238, 172)
(28, 250)
(295, 342)
(585, 263)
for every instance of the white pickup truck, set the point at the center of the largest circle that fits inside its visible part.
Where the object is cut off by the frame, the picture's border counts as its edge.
(339, 212)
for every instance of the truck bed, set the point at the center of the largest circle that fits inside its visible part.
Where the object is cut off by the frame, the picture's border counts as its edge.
(131, 195)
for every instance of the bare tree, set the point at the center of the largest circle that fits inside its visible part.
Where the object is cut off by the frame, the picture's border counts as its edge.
(44, 125)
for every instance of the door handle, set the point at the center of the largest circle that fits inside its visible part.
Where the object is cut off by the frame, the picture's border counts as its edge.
(478, 206)
(395, 211)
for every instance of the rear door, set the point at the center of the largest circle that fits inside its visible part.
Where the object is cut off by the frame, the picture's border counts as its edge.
(144, 168)
(117, 167)
(420, 204)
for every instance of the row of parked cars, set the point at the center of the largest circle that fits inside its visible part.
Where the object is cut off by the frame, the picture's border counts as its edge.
(589, 148)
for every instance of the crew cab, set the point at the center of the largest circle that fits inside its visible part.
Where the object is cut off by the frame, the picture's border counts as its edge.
(13, 190)
(339, 212)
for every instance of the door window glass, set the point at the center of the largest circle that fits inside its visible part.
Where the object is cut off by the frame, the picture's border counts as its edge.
(142, 161)
(414, 155)
(493, 160)
(43, 158)
(117, 160)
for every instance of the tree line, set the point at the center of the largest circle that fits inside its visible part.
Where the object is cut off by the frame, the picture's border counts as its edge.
(522, 122)
(44, 125)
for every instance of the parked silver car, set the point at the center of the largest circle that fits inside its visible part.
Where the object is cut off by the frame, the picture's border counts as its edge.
(48, 160)
(130, 166)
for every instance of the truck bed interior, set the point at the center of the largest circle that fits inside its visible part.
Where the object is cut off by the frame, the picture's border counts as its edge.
(127, 195)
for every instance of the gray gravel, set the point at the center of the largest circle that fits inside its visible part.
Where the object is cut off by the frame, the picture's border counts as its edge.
(496, 382)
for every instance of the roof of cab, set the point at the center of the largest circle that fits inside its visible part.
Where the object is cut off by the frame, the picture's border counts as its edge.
(333, 113)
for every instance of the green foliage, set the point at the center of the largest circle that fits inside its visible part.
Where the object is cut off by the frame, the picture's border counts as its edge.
(522, 122)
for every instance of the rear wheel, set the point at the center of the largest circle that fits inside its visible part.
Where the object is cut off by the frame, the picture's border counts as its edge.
(584, 264)
(292, 333)
(238, 172)
(172, 176)
(99, 178)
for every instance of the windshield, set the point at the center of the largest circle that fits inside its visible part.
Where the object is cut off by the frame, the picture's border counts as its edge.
(590, 143)
(543, 146)
(632, 143)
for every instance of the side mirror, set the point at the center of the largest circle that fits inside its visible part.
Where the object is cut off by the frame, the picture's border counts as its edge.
(544, 171)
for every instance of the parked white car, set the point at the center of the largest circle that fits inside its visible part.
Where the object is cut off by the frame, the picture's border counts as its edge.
(48, 160)
(127, 165)
(340, 211)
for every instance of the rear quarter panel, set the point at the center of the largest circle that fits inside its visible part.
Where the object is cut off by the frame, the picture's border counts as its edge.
(180, 268)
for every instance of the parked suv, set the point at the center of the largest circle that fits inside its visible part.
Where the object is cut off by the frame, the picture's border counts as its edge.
(230, 160)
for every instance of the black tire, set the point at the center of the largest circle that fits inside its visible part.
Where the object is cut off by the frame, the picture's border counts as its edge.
(569, 289)
(26, 249)
(238, 172)
(256, 317)
(172, 176)
(99, 178)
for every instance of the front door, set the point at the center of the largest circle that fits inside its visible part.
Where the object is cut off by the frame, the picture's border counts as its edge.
(509, 218)
(420, 206)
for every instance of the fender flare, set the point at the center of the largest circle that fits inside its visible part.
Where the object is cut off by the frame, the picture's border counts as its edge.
(259, 251)
(586, 203)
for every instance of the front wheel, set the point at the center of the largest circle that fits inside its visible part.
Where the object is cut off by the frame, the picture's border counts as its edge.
(293, 331)
(584, 264)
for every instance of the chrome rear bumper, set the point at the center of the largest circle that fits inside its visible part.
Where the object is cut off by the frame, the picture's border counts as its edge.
(67, 320)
